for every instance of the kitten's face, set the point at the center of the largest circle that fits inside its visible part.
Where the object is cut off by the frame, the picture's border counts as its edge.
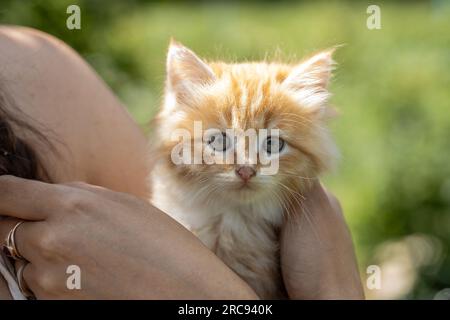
(247, 96)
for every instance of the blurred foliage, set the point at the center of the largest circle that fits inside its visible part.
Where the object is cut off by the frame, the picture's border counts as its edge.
(392, 88)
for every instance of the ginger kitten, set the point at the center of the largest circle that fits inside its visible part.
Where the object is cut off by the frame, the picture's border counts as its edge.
(234, 208)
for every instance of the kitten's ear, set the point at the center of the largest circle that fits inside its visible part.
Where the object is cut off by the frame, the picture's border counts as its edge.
(309, 80)
(186, 71)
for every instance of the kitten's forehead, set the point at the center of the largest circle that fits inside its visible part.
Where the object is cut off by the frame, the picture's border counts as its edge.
(251, 90)
(252, 70)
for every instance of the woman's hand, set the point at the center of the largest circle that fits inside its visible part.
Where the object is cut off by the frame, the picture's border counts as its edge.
(124, 247)
(317, 254)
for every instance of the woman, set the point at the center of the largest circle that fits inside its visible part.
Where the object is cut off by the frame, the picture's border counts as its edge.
(63, 125)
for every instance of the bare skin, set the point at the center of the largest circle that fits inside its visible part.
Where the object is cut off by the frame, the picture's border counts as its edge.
(126, 248)
(317, 255)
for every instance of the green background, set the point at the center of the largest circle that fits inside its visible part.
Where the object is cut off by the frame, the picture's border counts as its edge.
(392, 88)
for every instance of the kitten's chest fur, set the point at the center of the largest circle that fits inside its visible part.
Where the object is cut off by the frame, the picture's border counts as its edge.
(238, 235)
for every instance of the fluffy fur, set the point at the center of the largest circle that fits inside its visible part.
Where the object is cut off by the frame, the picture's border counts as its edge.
(240, 222)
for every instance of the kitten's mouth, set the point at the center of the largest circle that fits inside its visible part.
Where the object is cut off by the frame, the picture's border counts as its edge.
(245, 186)
(247, 192)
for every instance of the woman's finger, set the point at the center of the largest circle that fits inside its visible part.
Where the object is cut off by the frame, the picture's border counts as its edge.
(101, 191)
(29, 278)
(23, 236)
(29, 199)
(6, 225)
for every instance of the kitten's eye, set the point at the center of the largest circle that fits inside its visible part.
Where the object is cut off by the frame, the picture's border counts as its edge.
(274, 145)
(219, 141)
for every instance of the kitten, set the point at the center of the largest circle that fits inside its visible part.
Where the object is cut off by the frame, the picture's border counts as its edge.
(234, 209)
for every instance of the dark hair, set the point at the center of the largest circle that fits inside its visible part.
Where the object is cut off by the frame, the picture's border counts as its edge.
(17, 157)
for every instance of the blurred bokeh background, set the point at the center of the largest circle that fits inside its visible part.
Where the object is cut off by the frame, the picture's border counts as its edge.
(392, 88)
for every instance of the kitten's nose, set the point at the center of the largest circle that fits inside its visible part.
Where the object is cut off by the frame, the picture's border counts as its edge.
(245, 173)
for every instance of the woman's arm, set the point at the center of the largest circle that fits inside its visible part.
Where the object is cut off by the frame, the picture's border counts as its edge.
(58, 93)
(124, 247)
